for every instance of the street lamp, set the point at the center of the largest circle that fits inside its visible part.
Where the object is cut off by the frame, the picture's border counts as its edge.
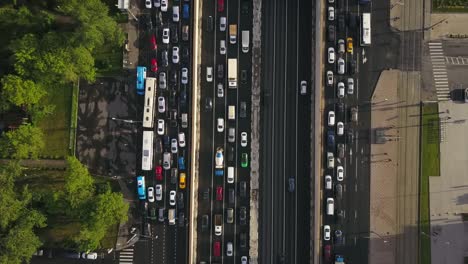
(126, 120)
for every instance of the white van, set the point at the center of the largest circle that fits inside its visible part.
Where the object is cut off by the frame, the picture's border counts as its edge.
(330, 206)
(230, 175)
(245, 40)
(171, 216)
(209, 74)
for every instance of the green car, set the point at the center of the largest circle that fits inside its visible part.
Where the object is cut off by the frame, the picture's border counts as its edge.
(244, 160)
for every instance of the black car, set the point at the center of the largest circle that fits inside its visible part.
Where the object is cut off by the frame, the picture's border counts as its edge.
(147, 21)
(352, 66)
(208, 104)
(350, 136)
(352, 21)
(291, 185)
(209, 24)
(338, 237)
(173, 99)
(231, 195)
(164, 58)
(167, 141)
(341, 23)
(244, 76)
(185, 54)
(243, 189)
(173, 118)
(230, 153)
(341, 151)
(158, 148)
(243, 109)
(331, 139)
(243, 240)
(174, 35)
(206, 194)
(340, 215)
(181, 219)
(339, 191)
(174, 175)
(174, 77)
(245, 7)
(183, 98)
(158, 18)
(340, 106)
(220, 71)
(243, 215)
(161, 215)
(205, 222)
(331, 33)
(180, 200)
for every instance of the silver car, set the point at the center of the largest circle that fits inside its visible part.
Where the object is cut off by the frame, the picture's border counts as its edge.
(341, 66)
(162, 80)
(161, 104)
(350, 85)
(184, 78)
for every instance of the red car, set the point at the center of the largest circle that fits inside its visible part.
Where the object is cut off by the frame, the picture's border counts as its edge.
(217, 249)
(154, 45)
(158, 172)
(154, 65)
(219, 193)
(327, 253)
(220, 5)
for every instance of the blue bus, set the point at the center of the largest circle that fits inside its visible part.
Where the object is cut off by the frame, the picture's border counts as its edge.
(141, 76)
(141, 187)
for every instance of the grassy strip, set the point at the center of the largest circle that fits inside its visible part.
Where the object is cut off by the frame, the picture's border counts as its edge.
(430, 166)
(450, 6)
(56, 126)
(74, 118)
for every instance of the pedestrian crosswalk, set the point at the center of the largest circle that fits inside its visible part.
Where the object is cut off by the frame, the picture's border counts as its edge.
(439, 70)
(126, 256)
(456, 60)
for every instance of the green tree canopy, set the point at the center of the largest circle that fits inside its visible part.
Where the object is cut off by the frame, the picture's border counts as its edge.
(79, 185)
(19, 92)
(22, 143)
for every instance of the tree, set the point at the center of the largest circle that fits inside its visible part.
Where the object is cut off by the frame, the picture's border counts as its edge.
(22, 143)
(79, 185)
(19, 92)
(10, 207)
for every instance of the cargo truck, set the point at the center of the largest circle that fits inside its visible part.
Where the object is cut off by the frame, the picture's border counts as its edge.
(218, 224)
(233, 34)
(219, 162)
(232, 73)
(339, 259)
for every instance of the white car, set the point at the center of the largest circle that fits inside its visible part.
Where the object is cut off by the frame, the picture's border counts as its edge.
(184, 78)
(326, 232)
(331, 1)
(350, 85)
(174, 145)
(329, 78)
(331, 13)
(219, 158)
(220, 90)
(222, 47)
(244, 139)
(222, 24)
(331, 118)
(341, 66)
(341, 90)
(331, 55)
(165, 35)
(339, 173)
(161, 104)
(175, 13)
(162, 80)
(172, 195)
(220, 125)
(157, 3)
(303, 87)
(340, 128)
(164, 5)
(148, 4)
(229, 249)
(328, 182)
(182, 139)
(160, 127)
(209, 74)
(330, 160)
(150, 194)
(175, 55)
(244, 260)
(158, 192)
(91, 255)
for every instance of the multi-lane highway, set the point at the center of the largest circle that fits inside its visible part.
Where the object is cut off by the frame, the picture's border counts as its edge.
(286, 128)
(216, 98)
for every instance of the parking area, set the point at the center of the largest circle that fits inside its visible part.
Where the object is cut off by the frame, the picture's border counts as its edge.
(448, 193)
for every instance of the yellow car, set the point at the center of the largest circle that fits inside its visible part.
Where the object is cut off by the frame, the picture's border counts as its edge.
(182, 180)
(349, 44)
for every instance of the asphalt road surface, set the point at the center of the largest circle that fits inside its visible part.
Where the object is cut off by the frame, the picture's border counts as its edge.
(285, 148)
(211, 139)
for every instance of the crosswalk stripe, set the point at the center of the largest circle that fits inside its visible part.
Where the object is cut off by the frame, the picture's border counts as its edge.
(435, 43)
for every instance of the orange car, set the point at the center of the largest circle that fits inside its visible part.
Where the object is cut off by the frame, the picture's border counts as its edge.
(349, 44)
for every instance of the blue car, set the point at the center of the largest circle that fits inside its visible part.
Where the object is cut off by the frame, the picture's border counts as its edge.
(185, 11)
(181, 163)
(331, 139)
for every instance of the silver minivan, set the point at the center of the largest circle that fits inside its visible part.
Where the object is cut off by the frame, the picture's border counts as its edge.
(167, 160)
(184, 120)
(341, 66)
(245, 41)
(232, 135)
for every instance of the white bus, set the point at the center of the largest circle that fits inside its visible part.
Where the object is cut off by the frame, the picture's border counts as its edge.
(365, 29)
(147, 156)
(150, 95)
